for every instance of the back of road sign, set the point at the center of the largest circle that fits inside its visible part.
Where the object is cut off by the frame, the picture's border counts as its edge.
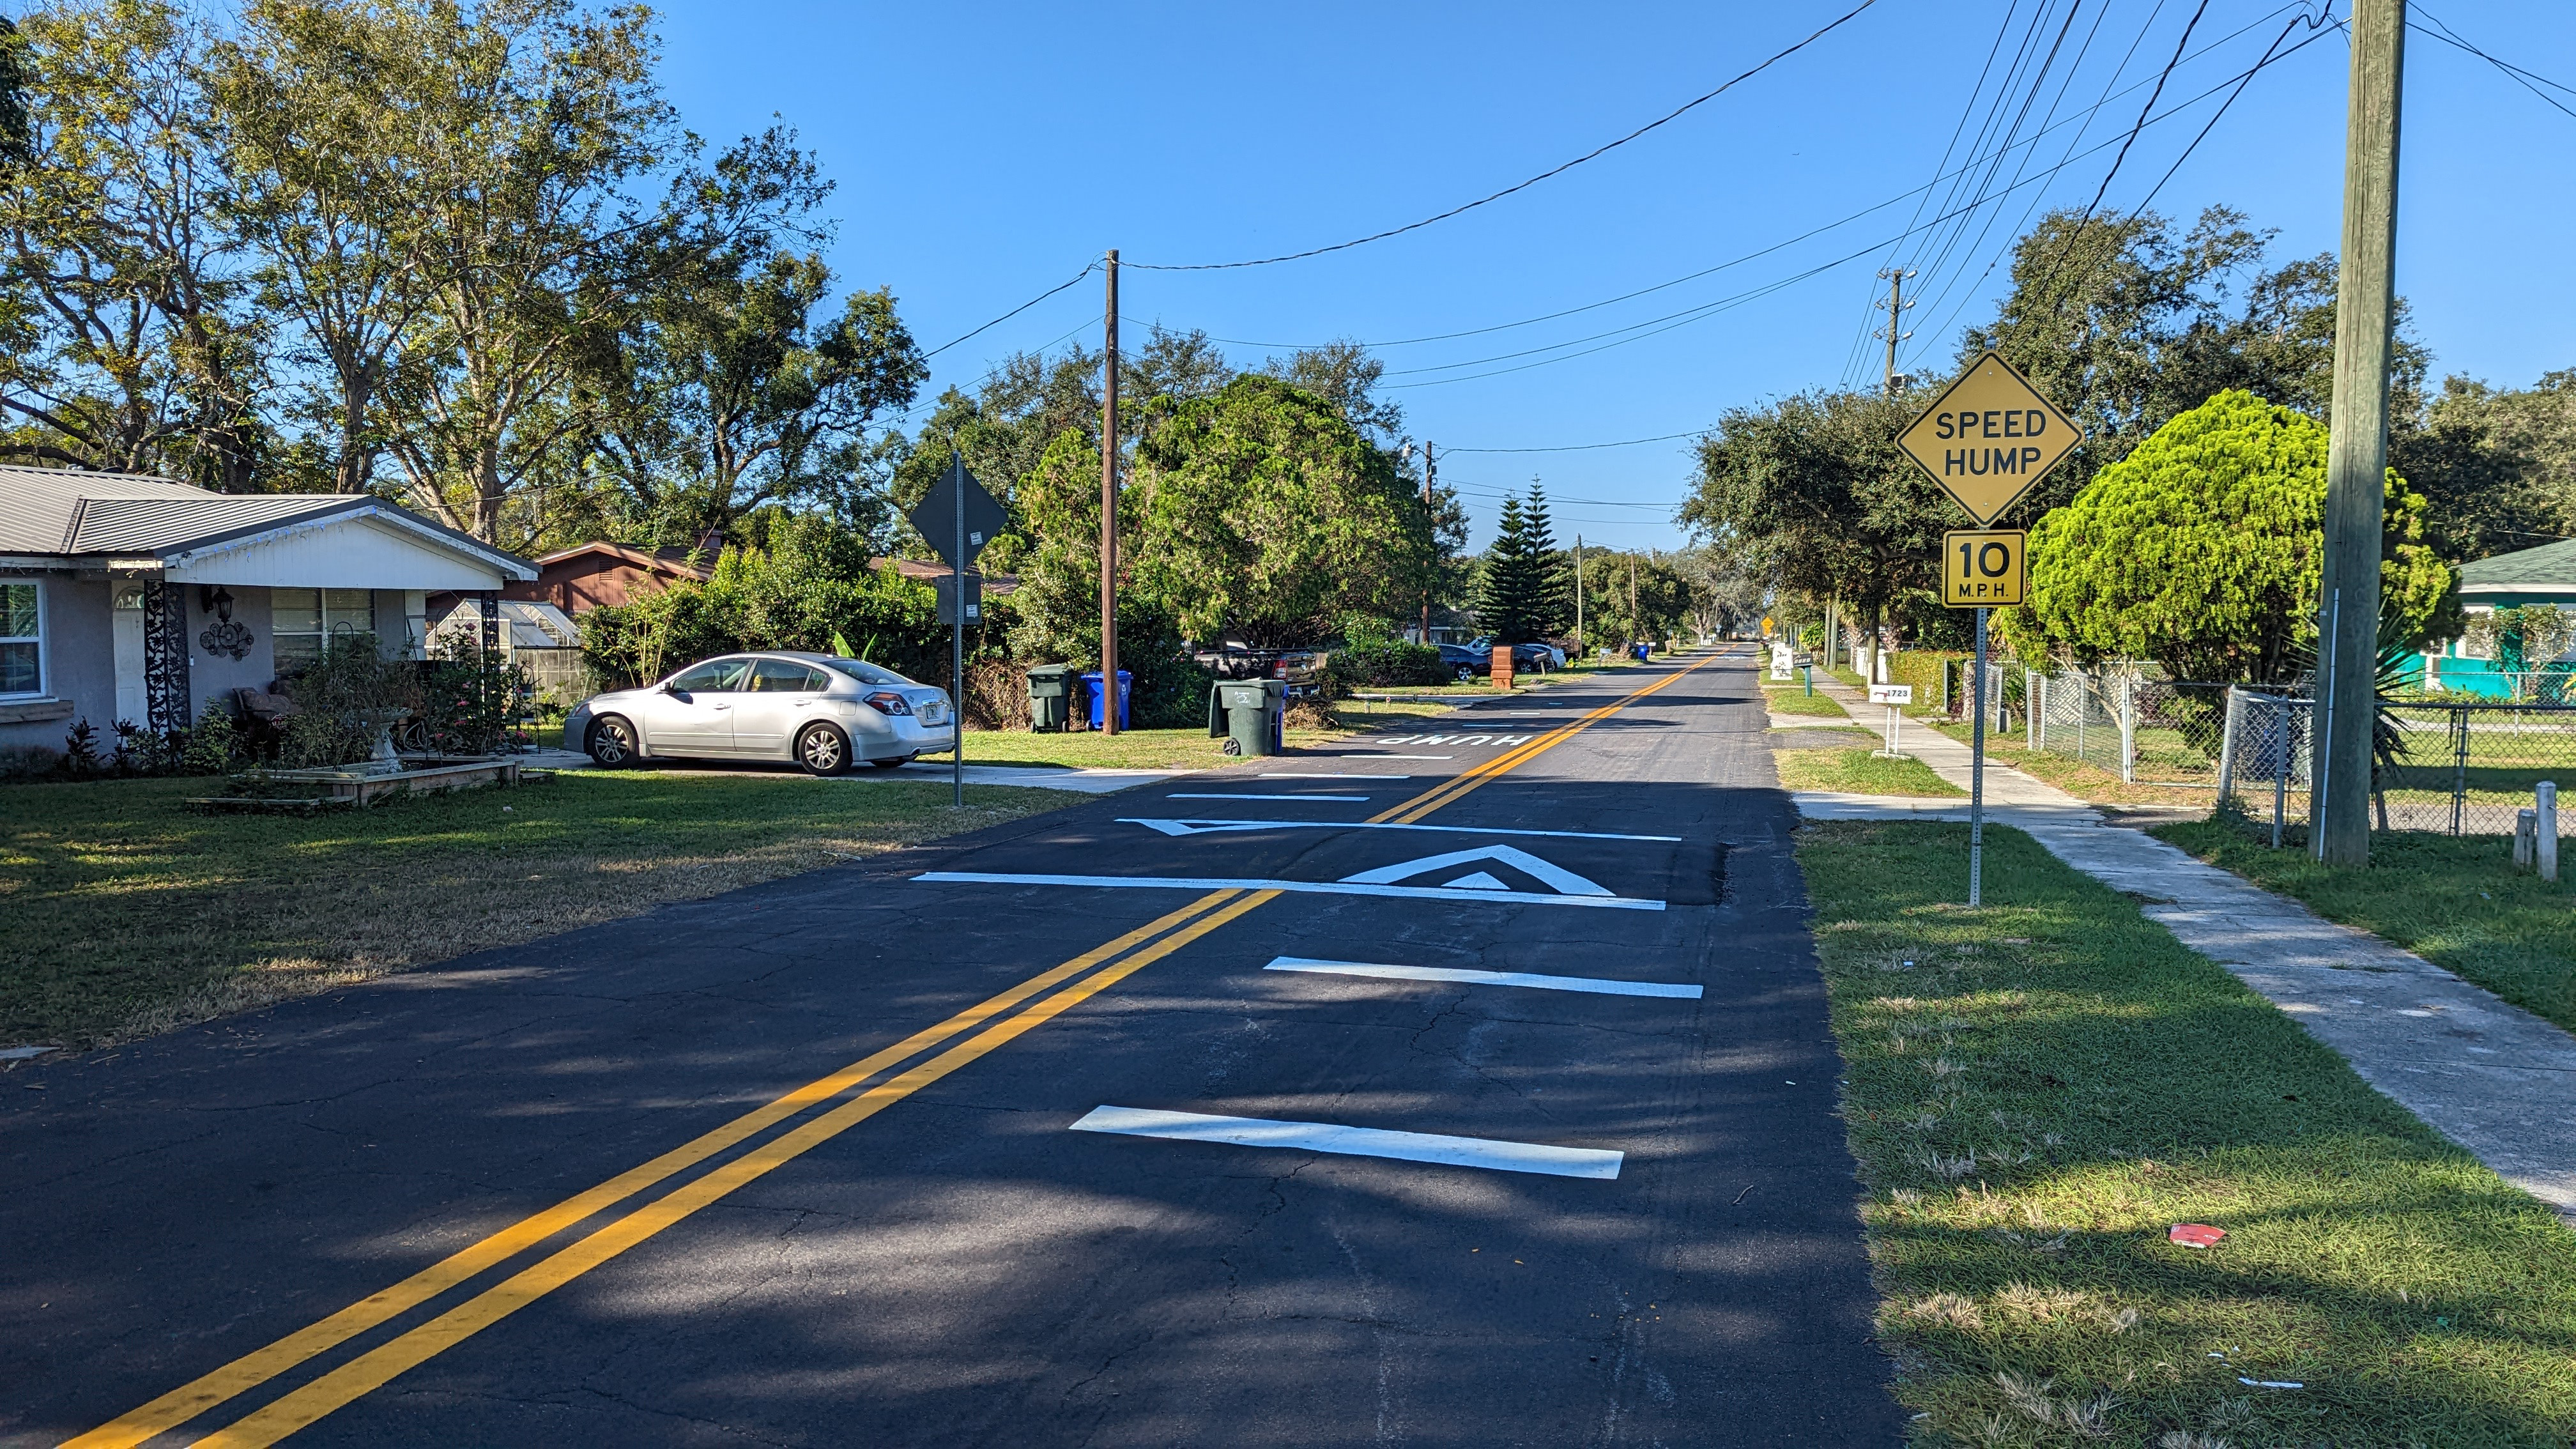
(1989, 437)
(1982, 569)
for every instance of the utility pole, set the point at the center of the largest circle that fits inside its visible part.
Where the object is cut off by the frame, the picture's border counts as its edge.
(1579, 645)
(1109, 514)
(1894, 330)
(2357, 445)
(1430, 511)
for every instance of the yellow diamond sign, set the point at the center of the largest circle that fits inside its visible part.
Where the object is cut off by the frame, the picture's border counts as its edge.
(1989, 436)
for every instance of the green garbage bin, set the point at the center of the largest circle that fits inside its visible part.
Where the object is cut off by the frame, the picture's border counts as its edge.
(1051, 695)
(1248, 715)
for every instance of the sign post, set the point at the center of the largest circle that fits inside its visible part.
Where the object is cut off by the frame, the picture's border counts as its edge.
(958, 518)
(1986, 439)
(1895, 697)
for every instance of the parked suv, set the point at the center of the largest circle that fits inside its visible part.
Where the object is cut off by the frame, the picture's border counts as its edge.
(821, 712)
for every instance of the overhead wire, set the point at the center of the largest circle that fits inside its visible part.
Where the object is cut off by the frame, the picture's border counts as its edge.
(2318, 24)
(1760, 252)
(1985, 229)
(1669, 321)
(1667, 118)
(1995, 145)
(2021, 226)
(1860, 339)
(1014, 312)
(2445, 34)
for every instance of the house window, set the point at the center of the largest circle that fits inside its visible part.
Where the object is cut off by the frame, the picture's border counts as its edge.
(22, 655)
(301, 621)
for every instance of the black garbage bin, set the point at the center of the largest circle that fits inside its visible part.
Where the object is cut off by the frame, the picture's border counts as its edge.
(1051, 696)
(1248, 715)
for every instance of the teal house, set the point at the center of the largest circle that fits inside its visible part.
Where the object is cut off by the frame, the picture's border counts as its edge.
(2543, 575)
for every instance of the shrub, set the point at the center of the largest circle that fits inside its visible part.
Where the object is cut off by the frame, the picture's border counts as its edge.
(214, 746)
(1381, 663)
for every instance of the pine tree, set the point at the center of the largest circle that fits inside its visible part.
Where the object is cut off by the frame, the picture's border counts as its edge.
(1522, 593)
(1552, 606)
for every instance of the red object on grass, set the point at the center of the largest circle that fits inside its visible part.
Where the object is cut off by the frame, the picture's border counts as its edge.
(2196, 1235)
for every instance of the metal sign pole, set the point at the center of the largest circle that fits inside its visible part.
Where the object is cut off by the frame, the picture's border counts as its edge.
(1977, 779)
(957, 636)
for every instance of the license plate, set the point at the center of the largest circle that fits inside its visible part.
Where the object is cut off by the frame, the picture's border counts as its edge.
(934, 714)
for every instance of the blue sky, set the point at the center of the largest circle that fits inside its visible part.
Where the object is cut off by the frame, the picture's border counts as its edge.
(986, 153)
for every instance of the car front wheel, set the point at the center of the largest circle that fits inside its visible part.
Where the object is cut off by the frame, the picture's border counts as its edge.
(822, 750)
(1466, 675)
(612, 742)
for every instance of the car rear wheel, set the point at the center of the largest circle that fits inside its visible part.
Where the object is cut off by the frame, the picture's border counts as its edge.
(1466, 674)
(823, 750)
(612, 742)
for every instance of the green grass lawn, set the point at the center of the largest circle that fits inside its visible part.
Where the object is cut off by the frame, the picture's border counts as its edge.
(122, 912)
(2037, 1090)
(1791, 699)
(1857, 771)
(2455, 902)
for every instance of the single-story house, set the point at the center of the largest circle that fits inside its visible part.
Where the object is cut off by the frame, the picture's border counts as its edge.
(144, 600)
(579, 579)
(2543, 575)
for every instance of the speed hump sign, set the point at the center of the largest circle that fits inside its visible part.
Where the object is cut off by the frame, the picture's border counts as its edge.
(1982, 569)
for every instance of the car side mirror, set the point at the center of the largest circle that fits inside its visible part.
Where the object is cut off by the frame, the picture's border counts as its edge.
(675, 691)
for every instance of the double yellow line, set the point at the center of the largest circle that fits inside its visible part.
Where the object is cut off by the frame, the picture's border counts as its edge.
(1001, 1019)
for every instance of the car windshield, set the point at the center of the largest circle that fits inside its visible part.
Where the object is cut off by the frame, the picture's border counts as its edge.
(864, 672)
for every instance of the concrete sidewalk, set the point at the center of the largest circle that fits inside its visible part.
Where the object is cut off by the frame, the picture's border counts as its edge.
(2490, 1076)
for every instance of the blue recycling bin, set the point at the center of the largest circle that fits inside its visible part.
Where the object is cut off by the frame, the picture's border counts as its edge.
(1091, 691)
(1641, 651)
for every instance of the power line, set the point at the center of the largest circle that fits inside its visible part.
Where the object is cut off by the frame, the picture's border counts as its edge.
(2020, 227)
(1584, 447)
(1015, 311)
(1860, 338)
(2445, 34)
(2322, 21)
(1811, 232)
(1667, 118)
(1650, 327)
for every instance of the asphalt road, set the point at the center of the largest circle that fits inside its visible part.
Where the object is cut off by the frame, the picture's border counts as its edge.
(780, 1168)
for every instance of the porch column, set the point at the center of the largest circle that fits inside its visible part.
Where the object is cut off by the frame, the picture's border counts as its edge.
(167, 699)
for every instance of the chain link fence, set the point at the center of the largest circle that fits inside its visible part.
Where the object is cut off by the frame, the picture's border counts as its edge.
(2461, 769)
(2146, 730)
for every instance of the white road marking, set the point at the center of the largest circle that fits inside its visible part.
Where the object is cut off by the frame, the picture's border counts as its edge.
(1398, 757)
(1597, 985)
(1303, 887)
(1482, 880)
(1303, 775)
(1221, 827)
(1483, 1152)
(1557, 876)
(1345, 799)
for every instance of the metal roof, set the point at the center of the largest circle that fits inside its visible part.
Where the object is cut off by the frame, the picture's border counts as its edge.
(150, 525)
(2550, 568)
(68, 513)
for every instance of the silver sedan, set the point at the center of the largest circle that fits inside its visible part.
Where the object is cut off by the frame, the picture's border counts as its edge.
(823, 713)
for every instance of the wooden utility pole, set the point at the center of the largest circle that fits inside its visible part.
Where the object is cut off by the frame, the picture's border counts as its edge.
(1579, 645)
(1895, 331)
(1431, 515)
(1109, 513)
(2357, 449)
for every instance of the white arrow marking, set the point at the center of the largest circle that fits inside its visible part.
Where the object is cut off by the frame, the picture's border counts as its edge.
(1480, 881)
(1555, 875)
